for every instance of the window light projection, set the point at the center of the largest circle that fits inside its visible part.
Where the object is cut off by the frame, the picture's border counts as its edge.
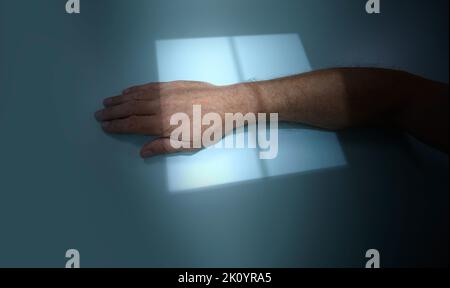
(228, 60)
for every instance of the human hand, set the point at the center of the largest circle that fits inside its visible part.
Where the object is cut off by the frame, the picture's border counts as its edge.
(147, 110)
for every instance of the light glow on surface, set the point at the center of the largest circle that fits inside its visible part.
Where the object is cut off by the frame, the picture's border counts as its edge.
(228, 60)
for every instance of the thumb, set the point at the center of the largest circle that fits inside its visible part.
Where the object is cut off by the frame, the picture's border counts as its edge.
(160, 146)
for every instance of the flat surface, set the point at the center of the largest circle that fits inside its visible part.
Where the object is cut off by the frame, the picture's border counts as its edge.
(326, 200)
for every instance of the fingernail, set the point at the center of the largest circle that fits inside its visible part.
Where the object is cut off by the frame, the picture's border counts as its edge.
(105, 124)
(98, 114)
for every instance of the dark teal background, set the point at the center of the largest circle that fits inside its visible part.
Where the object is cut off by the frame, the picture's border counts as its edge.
(65, 184)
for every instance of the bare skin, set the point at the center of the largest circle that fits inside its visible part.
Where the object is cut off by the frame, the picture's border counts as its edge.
(333, 99)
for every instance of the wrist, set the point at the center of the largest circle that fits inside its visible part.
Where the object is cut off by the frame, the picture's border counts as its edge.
(250, 98)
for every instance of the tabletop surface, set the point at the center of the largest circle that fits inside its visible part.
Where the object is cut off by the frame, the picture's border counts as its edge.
(326, 199)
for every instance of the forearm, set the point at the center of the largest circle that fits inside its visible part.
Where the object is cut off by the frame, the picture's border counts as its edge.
(348, 97)
(334, 98)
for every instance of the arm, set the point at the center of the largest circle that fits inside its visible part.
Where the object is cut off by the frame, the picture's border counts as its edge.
(331, 99)
(347, 97)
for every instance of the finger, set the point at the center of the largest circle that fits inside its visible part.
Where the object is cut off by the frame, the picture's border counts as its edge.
(127, 109)
(117, 100)
(137, 96)
(145, 125)
(140, 88)
(167, 85)
(162, 146)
